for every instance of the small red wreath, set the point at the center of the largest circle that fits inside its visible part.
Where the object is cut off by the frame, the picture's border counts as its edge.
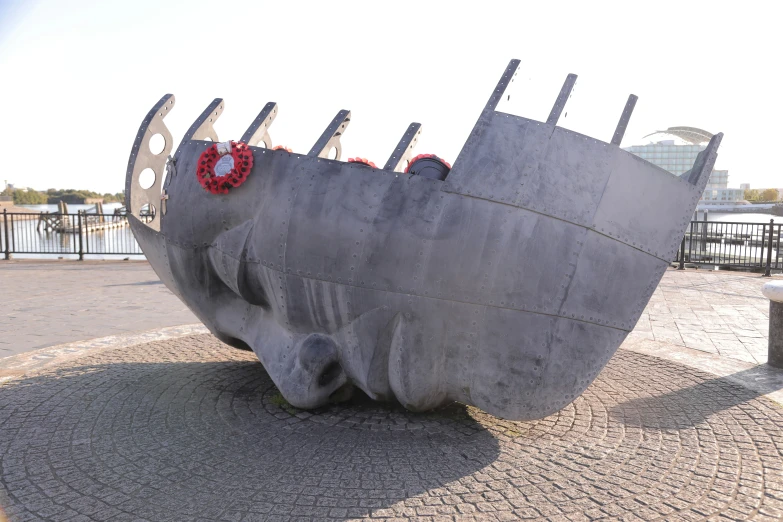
(362, 160)
(243, 164)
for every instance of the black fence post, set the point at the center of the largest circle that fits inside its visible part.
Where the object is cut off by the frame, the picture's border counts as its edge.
(682, 255)
(86, 233)
(690, 243)
(13, 234)
(79, 221)
(767, 272)
(5, 230)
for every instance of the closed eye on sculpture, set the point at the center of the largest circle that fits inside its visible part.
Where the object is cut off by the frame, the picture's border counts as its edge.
(233, 264)
(250, 285)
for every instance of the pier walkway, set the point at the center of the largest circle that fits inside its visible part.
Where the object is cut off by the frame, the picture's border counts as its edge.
(717, 312)
(46, 303)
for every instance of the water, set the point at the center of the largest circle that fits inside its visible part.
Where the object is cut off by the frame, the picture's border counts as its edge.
(108, 208)
(741, 218)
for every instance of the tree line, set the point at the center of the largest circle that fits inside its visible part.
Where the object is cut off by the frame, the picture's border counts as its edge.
(35, 197)
(766, 195)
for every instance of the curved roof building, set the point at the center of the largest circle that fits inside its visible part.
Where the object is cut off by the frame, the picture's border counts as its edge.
(679, 158)
(692, 135)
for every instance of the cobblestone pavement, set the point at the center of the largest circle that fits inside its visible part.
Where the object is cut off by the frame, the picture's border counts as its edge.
(45, 303)
(189, 429)
(719, 312)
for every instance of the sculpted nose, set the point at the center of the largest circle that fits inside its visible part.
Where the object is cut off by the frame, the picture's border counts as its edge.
(319, 358)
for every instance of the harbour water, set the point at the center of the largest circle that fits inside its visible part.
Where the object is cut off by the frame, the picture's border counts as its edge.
(741, 217)
(108, 208)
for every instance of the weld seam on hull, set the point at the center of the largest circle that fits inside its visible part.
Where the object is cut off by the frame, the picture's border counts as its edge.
(510, 204)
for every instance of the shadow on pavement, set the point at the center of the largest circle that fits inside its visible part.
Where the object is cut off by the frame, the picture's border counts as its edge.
(202, 441)
(140, 283)
(691, 406)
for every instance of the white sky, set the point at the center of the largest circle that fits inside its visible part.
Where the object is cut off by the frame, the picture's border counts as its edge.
(79, 76)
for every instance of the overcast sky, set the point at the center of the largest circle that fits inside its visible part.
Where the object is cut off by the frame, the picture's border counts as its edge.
(79, 76)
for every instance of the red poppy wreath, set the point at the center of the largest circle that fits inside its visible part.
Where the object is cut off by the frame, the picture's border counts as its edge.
(220, 169)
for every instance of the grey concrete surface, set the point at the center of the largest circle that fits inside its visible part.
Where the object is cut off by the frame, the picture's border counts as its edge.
(718, 312)
(775, 341)
(773, 291)
(46, 303)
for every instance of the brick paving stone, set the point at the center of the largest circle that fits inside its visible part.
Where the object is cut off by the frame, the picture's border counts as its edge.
(190, 429)
(717, 312)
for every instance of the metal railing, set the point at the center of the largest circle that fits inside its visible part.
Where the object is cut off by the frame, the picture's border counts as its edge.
(753, 246)
(749, 246)
(66, 235)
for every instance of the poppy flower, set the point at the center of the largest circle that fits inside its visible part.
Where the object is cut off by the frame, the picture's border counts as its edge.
(362, 160)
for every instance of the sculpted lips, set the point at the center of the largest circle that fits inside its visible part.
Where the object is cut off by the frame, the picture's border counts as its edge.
(306, 367)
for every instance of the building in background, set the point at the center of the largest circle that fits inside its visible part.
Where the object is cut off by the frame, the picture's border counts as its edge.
(745, 186)
(678, 156)
(719, 179)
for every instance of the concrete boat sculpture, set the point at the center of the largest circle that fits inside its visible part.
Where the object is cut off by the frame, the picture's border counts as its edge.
(506, 283)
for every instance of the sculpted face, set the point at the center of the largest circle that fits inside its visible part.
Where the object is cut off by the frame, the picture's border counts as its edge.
(507, 286)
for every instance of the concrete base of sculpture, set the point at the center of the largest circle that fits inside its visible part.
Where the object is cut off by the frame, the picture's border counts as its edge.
(508, 286)
(774, 292)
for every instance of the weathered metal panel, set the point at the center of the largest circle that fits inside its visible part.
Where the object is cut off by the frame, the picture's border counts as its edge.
(500, 256)
(536, 166)
(331, 221)
(402, 230)
(606, 267)
(570, 179)
(647, 208)
(157, 252)
(545, 362)
(499, 158)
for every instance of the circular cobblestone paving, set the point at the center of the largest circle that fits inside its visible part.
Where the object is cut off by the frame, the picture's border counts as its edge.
(189, 429)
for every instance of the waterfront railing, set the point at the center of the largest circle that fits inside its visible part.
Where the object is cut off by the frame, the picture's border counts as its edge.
(732, 245)
(80, 235)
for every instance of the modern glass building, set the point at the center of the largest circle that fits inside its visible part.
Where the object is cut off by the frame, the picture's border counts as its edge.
(719, 179)
(668, 155)
(678, 158)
